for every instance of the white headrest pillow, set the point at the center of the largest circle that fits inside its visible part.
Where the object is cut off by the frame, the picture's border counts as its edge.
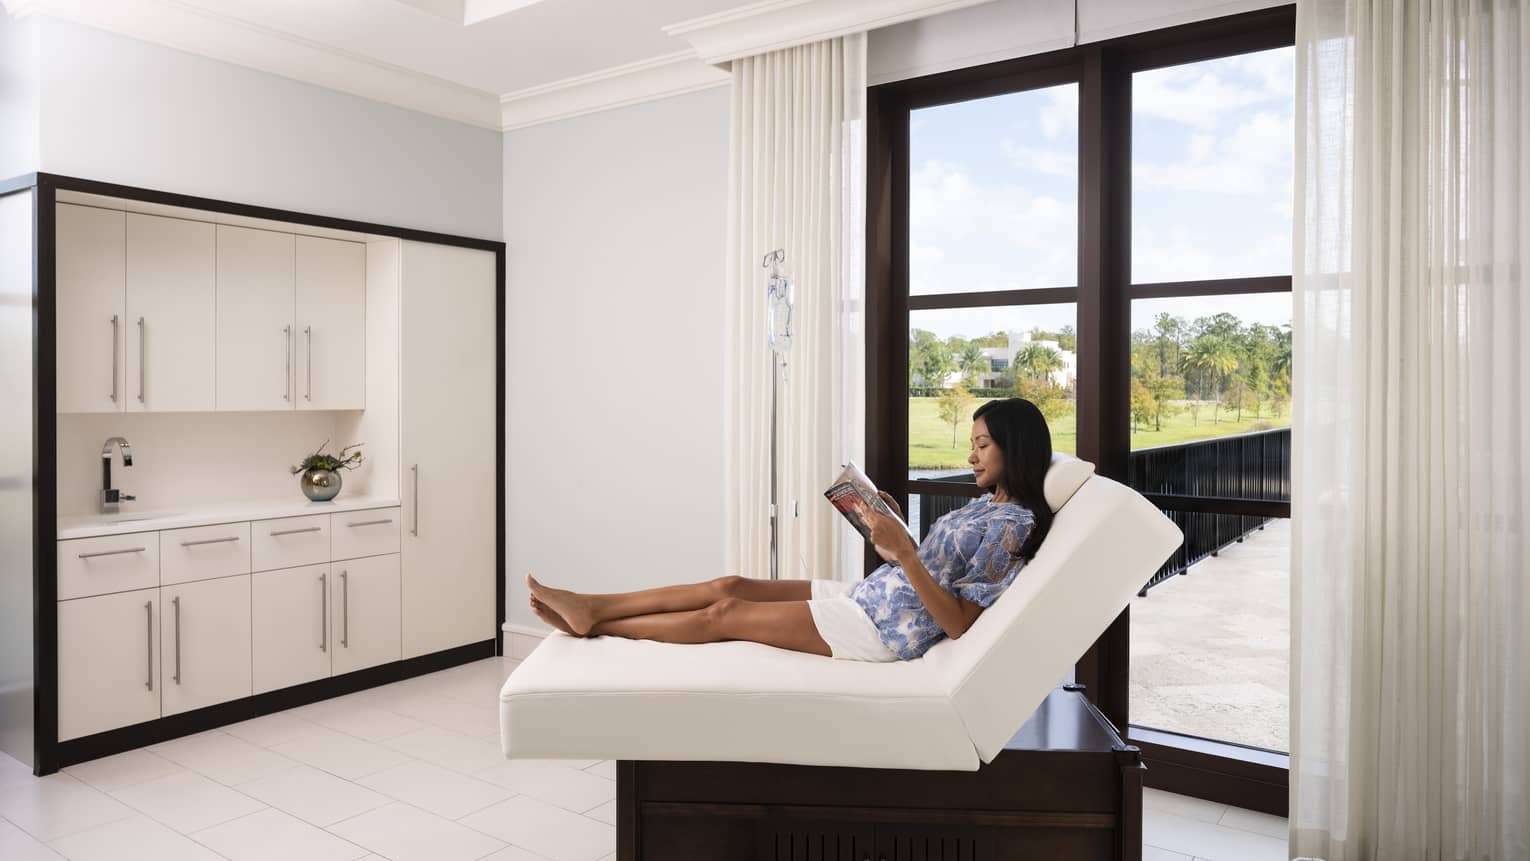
(1064, 477)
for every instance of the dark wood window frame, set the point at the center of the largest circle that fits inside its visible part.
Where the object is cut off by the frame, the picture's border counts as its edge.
(1220, 771)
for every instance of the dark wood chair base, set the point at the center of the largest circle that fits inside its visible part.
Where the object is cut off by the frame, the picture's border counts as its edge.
(1065, 787)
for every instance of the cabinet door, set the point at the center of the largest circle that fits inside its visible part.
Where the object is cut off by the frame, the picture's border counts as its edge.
(91, 313)
(205, 643)
(289, 618)
(256, 341)
(331, 324)
(170, 320)
(448, 408)
(365, 599)
(108, 662)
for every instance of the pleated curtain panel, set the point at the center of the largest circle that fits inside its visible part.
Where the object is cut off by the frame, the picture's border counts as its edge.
(796, 182)
(1410, 690)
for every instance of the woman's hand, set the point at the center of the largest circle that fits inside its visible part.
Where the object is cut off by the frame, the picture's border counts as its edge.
(892, 503)
(888, 536)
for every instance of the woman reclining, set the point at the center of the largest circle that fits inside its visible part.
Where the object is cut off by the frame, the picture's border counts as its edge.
(921, 594)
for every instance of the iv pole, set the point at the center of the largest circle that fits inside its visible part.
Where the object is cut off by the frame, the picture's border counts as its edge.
(778, 335)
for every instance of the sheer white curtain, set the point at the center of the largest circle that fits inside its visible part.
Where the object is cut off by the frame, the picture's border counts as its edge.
(797, 181)
(1410, 688)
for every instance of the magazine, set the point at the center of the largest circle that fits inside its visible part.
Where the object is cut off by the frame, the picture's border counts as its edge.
(851, 492)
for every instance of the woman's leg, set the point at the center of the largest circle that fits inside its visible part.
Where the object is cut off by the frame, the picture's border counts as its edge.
(783, 624)
(583, 612)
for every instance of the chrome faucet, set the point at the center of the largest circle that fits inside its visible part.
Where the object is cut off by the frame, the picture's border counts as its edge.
(110, 496)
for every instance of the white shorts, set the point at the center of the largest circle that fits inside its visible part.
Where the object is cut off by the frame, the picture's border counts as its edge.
(850, 633)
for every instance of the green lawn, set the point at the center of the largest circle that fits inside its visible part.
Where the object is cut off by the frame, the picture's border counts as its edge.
(929, 438)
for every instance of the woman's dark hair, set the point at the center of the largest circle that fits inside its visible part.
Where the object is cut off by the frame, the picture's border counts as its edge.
(1017, 427)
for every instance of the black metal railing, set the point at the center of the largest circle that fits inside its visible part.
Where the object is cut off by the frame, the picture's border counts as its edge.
(1247, 467)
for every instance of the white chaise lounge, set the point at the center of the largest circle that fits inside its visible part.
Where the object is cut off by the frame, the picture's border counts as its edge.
(613, 698)
(952, 710)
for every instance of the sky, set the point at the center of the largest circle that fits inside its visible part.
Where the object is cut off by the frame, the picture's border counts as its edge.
(994, 193)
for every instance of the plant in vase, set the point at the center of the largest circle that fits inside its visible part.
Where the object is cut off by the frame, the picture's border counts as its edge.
(321, 472)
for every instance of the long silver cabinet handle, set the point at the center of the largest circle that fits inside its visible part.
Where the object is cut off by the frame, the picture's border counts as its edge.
(323, 612)
(112, 552)
(345, 611)
(296, 531)
(176, 603)
(142, 337)
(116, 327)
(209, 541)
(416, 470)
(148, 610)
(369, 523)
(308, 330)
(287, 377)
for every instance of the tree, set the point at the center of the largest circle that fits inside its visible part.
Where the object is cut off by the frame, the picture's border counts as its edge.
(1170, 332)
(1144, 406)
(1067, 339)
(1164, 390)
(953, 407)
(929, 359)
(972, 363)
(1213, 358)
(1039, 361)
(1052, 401)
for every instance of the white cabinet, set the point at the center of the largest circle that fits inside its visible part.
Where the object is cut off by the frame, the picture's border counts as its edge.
(163, 314)
(290, 637)
(170, 319)
(256, 338)
(447, 404)
(204, 643)
(290, 542)
(108, 662)
(365, 602)
(330, 324)
(90, 313)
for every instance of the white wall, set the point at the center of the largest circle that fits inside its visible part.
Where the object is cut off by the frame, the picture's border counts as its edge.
(121, 110)
(18, 96)
(615, 227)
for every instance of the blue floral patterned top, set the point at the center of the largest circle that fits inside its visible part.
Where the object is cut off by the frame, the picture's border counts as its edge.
(969, 552)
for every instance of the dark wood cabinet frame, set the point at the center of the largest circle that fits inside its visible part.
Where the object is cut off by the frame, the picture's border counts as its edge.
(50, 754)
(1218, 771)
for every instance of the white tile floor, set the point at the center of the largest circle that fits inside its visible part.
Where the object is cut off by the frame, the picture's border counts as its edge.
(407, 771)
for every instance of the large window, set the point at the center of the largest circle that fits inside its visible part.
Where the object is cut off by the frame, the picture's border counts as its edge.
(1106, 231)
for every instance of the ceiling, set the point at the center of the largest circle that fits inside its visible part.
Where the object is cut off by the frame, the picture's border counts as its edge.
(499, 64)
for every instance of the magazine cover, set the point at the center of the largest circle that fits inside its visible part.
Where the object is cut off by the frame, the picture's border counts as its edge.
(852, 492)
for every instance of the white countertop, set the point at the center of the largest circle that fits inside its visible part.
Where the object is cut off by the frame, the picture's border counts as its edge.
(129, 521)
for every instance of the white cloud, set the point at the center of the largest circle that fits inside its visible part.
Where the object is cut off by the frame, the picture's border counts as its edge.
(1051, 162)
(1178, 256)
(1060, 114)
(1033, 237)
(1252, 160)
(1192, 94)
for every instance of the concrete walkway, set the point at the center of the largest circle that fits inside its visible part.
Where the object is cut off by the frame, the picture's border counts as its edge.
(1211, 648)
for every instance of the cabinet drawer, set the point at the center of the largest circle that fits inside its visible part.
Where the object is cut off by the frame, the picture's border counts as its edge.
(364, 533)
(111, 563)
(204, 552)
(289, 542)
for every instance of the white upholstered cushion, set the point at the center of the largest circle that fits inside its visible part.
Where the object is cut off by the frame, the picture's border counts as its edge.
(613, 698)
(1064, 477)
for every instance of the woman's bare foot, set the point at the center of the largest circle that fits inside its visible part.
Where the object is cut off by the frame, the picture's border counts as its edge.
(546, 614)
(571, 606)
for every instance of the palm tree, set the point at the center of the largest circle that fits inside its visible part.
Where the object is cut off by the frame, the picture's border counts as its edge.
(1039, 361)
(1213, 358)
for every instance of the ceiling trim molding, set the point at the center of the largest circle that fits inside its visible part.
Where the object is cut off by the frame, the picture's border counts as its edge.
(618, 86)
(243, 43)
(772, 25)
